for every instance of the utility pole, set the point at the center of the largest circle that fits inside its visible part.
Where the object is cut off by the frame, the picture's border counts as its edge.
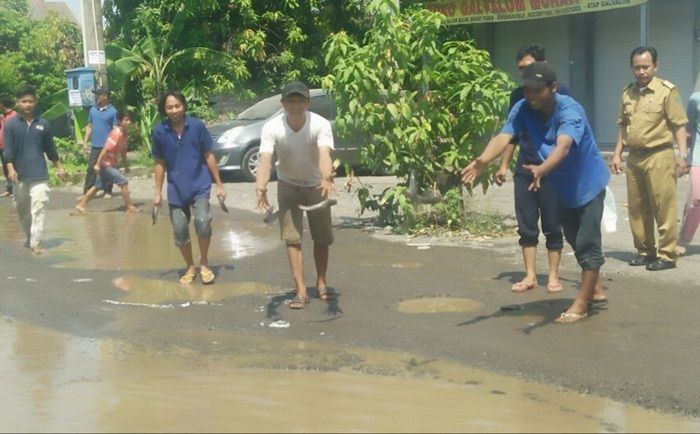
(93, 39)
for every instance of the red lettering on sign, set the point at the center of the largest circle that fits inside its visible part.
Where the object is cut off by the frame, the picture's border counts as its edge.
(480, 7)
(448, 9)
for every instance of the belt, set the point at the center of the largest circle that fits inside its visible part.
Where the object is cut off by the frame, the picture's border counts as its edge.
(647, 151)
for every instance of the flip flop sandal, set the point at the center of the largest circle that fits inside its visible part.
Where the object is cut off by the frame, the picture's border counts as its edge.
(326, 293)
(556, 287)
(522, 287)
(188, 277)
(599, 301)
(299, 302)
(207, 276)
(78, 211)
(570, 318)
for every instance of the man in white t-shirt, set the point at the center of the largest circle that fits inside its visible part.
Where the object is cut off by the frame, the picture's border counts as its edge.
(303, 142)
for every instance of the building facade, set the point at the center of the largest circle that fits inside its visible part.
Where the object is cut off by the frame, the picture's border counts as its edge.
(590, 51)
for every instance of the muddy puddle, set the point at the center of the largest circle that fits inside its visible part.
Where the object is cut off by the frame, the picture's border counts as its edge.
(56, 382)
(438, 305)
(407, 265)
(139, 291)
(115, 240)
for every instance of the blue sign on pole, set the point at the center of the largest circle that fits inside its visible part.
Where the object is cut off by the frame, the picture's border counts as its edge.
(81, 83)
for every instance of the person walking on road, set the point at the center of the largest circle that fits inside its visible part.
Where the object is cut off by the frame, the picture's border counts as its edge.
(27, 142)
(691, 215)
(8, 112)
(302, 141)
(533, 206)
(556, 128)
(106, 165)
(182, 148)
(651, 118)
(101, 121)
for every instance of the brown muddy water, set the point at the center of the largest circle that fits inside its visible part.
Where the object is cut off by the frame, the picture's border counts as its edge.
(117, 240)
(57, 382)
(438, 305)
(151, 292)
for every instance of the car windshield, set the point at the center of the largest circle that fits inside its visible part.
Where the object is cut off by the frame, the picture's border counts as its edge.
(262, 109)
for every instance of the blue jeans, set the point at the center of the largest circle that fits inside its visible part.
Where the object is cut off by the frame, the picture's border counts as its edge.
(180, 219)
(108, 176)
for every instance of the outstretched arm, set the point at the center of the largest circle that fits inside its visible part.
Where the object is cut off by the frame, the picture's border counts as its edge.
(495, 148)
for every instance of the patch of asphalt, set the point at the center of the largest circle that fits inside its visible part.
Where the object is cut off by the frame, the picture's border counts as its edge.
(639, 348)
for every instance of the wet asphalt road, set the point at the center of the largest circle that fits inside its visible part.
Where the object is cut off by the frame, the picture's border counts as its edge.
(642, 347)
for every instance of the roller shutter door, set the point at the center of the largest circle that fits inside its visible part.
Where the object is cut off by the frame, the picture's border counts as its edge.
(671, 32)
(552, 33)
(616, 33)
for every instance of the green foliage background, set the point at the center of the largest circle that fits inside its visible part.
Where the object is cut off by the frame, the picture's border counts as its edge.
(424, 101)
(275, 41)
(36, 51)
(423, 96)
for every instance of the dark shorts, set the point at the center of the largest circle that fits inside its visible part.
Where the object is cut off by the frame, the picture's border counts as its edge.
(533, 206)
(582, 231)
(110, 175)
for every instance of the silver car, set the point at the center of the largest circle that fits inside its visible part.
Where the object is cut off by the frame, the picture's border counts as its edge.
(237, 143)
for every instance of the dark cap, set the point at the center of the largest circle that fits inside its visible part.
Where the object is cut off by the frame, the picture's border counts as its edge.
(101, 91)
(295, 88)
(538, 75)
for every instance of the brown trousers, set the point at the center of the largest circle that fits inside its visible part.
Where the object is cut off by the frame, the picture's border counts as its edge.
(651, 195)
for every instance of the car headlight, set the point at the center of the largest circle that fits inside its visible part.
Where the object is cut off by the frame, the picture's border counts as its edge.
(223, 159)
(230, 135)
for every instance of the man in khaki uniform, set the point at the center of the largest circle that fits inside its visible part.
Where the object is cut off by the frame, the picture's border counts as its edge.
(651, 118)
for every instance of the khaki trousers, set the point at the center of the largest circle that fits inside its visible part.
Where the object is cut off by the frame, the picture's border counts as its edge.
(31, 198)
(651, 195)
(291, 218)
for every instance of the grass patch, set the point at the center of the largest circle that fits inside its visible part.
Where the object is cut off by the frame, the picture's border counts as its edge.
(472, 225)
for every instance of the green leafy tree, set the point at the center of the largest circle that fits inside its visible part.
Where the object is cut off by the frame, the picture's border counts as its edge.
(277, 41)
(425, 105)
(36, 51)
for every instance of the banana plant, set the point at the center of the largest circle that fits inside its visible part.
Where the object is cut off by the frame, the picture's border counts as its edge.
(153, 63)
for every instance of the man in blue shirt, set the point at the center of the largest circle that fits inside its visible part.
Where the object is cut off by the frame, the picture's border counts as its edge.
(556, 128)
(182, 148)
(27, 143)
(533, 206)
(101, 120)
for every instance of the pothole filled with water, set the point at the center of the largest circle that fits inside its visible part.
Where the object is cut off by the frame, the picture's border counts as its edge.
(439, 305)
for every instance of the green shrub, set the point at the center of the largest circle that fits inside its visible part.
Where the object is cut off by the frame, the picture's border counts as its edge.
(423, 105)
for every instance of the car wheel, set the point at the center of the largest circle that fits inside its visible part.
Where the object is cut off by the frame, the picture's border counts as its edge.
(250, 163)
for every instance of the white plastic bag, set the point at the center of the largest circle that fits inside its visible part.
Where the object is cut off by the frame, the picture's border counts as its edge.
(609, 222)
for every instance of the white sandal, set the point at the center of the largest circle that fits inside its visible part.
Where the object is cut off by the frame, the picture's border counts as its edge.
(570, 317)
